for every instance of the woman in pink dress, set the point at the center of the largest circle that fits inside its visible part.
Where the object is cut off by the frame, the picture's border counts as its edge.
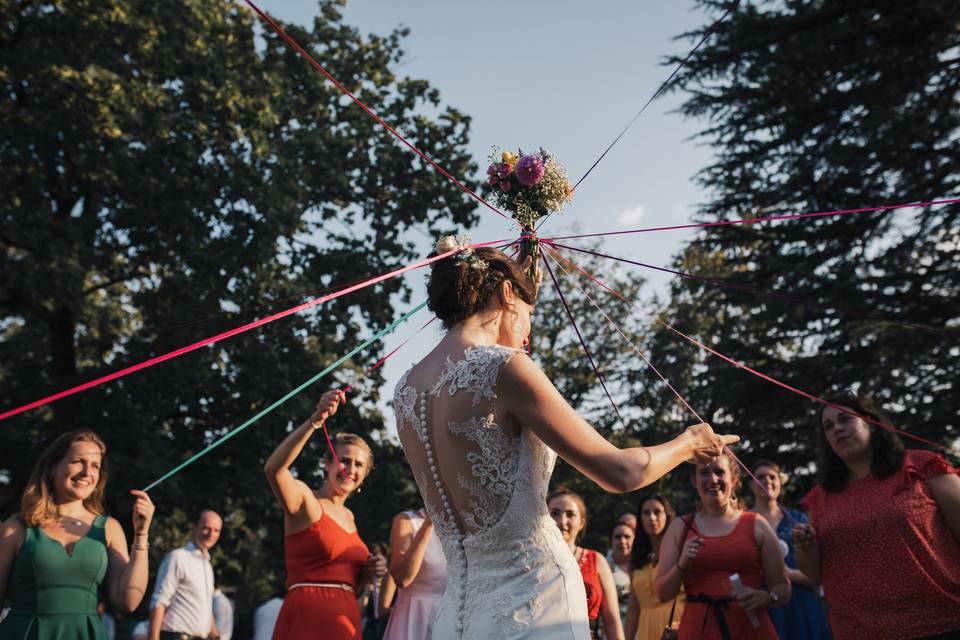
(420, 570)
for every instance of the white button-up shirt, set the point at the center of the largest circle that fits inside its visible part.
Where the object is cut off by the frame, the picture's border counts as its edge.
(185, 588)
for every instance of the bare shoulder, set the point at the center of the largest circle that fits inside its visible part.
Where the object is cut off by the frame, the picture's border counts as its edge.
(402, 518)
(677, 525)
(115, 534)
(523, 378)
(519, 366)
(13, 531)
(762, 530)
(601, 560)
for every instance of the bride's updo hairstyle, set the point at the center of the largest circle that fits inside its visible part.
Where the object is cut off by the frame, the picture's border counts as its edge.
(465, 283)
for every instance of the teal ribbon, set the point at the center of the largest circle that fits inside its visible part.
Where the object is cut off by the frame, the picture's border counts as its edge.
(366, 343)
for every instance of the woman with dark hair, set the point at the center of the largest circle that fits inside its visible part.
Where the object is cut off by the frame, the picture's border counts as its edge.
(569, 511)
(55, 555)
(647, 616)
(481, 426)
(802, 618)
(728, 560)
(884, 532)
(327, 562)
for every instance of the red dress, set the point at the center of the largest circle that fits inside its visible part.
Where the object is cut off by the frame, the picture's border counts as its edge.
(706, 583)
(323, 552)
(889, 563)
(591, 582)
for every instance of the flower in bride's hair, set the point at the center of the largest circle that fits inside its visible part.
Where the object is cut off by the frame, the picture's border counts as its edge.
(446, 244)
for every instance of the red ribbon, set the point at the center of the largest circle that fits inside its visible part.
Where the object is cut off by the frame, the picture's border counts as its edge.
(784, 385)
(316, 65)
(232, 332)
(797, 216)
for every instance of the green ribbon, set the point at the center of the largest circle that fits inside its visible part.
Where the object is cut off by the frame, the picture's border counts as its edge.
(377, 336)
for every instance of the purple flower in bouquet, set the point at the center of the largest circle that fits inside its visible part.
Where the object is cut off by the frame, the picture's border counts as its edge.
(492, 180)
(529, 171)
(492, 170)
(505, 186)
(504, 169)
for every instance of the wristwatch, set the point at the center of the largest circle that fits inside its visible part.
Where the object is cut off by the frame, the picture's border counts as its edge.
(774, 598)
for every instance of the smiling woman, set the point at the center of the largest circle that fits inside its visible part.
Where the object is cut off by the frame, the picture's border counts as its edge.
(56, 553)
(704, 550)
(327, 562)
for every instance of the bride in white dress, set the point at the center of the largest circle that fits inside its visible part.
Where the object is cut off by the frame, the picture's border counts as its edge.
(481, 426)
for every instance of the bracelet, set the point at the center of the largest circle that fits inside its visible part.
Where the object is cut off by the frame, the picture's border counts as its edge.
(140, 547)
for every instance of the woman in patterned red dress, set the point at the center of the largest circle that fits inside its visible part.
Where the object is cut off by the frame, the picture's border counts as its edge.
(570, 513)
(327, 562)
(884, 532)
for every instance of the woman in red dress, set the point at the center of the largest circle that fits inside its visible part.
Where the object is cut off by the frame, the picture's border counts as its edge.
(570, 513)
(704, 549)
(327, 562)
(884, 532)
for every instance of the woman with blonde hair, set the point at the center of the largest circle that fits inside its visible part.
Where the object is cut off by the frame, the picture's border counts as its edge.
(55, 555)
(327, 562)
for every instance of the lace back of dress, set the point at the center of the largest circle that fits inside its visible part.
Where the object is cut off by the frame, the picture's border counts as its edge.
(464, 462)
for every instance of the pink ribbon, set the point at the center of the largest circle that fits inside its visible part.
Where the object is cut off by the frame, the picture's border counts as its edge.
(232, 332)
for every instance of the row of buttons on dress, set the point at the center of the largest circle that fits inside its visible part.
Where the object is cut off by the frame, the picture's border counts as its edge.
(449, 510)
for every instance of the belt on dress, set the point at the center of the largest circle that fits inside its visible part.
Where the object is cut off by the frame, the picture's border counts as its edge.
(717, 605)
(328, 585)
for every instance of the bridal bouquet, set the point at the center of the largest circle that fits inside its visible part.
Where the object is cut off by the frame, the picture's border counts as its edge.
(527, 185)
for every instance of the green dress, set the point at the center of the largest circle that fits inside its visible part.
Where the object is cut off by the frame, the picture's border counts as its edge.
(53, 595)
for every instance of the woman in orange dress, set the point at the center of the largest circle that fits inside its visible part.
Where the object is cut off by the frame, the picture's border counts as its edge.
(704, 549)
(327, 562)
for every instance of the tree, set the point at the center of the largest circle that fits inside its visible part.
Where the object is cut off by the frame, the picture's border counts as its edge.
(639, 394)
(815, 106)
(171, 172)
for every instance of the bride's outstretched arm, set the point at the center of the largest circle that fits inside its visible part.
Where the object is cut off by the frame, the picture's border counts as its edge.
(527, 394)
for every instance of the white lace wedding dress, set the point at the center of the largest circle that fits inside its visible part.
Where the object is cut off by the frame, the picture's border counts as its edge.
(484, 485)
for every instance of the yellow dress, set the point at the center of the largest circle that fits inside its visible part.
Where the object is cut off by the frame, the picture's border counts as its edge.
(654, 614)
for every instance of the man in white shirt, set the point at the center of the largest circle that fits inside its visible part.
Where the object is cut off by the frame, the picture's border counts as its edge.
(182, 603)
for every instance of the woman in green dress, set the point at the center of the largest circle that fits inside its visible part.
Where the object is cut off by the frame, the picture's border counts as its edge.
(56, 553)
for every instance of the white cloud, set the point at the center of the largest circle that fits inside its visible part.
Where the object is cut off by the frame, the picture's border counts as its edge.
(631, 216)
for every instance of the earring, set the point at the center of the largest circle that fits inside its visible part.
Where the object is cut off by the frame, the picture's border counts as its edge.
(360, 489)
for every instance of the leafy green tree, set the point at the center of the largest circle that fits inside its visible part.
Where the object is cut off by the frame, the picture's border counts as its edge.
(816, 106)
(637, 391)
(171, 170)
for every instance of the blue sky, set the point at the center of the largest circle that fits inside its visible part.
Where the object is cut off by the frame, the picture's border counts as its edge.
(566, 76)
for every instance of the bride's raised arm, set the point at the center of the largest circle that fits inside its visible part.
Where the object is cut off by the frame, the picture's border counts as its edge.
(530, 397)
